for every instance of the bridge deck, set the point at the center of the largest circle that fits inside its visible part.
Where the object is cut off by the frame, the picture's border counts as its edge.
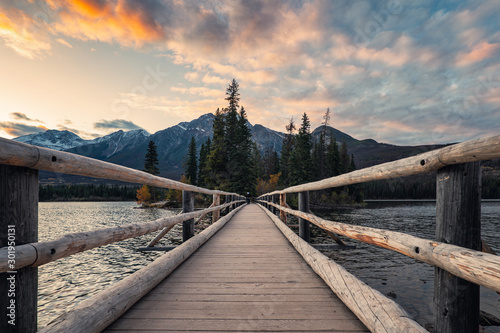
(248, 277)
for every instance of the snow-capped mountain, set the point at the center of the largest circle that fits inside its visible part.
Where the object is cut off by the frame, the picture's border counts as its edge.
(54, 139)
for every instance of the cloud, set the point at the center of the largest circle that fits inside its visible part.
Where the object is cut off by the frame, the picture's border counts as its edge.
(116, 124)
(22, 116)
(23, 34)
(63, 42)
(18, 129)
(414, 64)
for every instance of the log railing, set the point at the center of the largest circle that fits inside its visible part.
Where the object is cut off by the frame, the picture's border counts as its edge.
(21, 253)
(456, 253)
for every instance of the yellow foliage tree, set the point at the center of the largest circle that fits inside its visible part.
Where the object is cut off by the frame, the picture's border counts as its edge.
(266, 186)
(143, 194)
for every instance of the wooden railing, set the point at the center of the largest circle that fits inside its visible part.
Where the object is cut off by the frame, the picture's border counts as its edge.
(456, 253)
(21, 253)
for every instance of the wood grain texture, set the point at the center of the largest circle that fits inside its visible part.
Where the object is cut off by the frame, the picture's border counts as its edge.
(248, 277)
(25, 155)
(96, 313)
(376, 311)
(69, 244)
(458, 222)
(18, 225)
(471, 265)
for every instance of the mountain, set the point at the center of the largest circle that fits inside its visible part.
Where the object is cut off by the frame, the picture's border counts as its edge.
(369, 152)
(129, 148)
(53, 139)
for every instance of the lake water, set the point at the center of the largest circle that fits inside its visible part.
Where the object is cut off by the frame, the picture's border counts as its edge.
(63, 283)
(409, 282)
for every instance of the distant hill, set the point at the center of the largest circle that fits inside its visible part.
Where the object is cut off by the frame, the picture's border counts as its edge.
(129, 148)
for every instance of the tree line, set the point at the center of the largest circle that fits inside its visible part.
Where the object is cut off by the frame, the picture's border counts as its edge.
(88, 192)
(231, 161)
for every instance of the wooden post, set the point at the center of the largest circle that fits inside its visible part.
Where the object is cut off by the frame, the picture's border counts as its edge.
(216, 213)
(187, 207)
(273, 209)
(18, 225)
(304, 227)
(283, 203)
(458, 221)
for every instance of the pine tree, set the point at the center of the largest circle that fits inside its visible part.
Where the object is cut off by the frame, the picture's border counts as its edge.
(192, 163)
(243, 178)
(345, 160)
(217, 158)
(151, 159)
(286, 153)
(301, 155)
(202, 163)
(333, 158)
(319, 158)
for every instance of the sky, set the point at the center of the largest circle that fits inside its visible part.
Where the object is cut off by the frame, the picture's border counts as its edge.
(397, 71)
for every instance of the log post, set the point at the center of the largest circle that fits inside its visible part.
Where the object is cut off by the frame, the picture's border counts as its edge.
(273, 208)
(304, 226)
(187, 207)
(216, 213)
(283, 203)
(458, 222)
(18, 225)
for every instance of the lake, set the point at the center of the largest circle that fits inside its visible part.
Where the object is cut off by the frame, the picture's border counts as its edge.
(409, 282)
(63, 283)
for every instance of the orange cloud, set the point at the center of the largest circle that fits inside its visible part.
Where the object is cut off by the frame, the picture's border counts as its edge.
(20, 34)
(479, 52)
(88, 19)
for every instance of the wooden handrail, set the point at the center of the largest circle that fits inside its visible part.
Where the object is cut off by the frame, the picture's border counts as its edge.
(99, 311)
(475, 266)
(21, 154)
(469, 151)
(376, 311)
(41, 253)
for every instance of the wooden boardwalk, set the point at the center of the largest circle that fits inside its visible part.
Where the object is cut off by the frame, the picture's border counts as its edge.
(248, 278)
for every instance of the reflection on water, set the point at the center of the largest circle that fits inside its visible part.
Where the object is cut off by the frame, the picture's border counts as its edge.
(65, 282)
(409, 282)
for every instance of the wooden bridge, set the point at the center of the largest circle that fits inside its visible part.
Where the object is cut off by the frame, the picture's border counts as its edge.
(247, 271)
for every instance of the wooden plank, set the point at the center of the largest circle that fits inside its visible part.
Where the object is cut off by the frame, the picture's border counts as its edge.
(97, 312)
(458, 222)
(18, 225)
(376, 311)
(238, 282)
(471, 265)
(247, 323)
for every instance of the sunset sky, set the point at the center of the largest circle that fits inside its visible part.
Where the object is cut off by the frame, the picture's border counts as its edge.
(398, 71)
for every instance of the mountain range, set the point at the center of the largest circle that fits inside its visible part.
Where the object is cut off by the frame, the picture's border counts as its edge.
(129, 148)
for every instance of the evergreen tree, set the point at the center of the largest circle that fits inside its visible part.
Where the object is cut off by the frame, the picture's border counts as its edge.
(345, 160)
(319, 158)
(151, 159)
(286, 153)
(243, 177)
(192, 163)
(301, 162)
(202, 163)
(333, 158)
(217, 158)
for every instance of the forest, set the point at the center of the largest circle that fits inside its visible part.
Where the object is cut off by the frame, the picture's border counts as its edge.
(231, 161)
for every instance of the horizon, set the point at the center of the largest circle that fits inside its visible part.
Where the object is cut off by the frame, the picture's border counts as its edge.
(396, 71)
